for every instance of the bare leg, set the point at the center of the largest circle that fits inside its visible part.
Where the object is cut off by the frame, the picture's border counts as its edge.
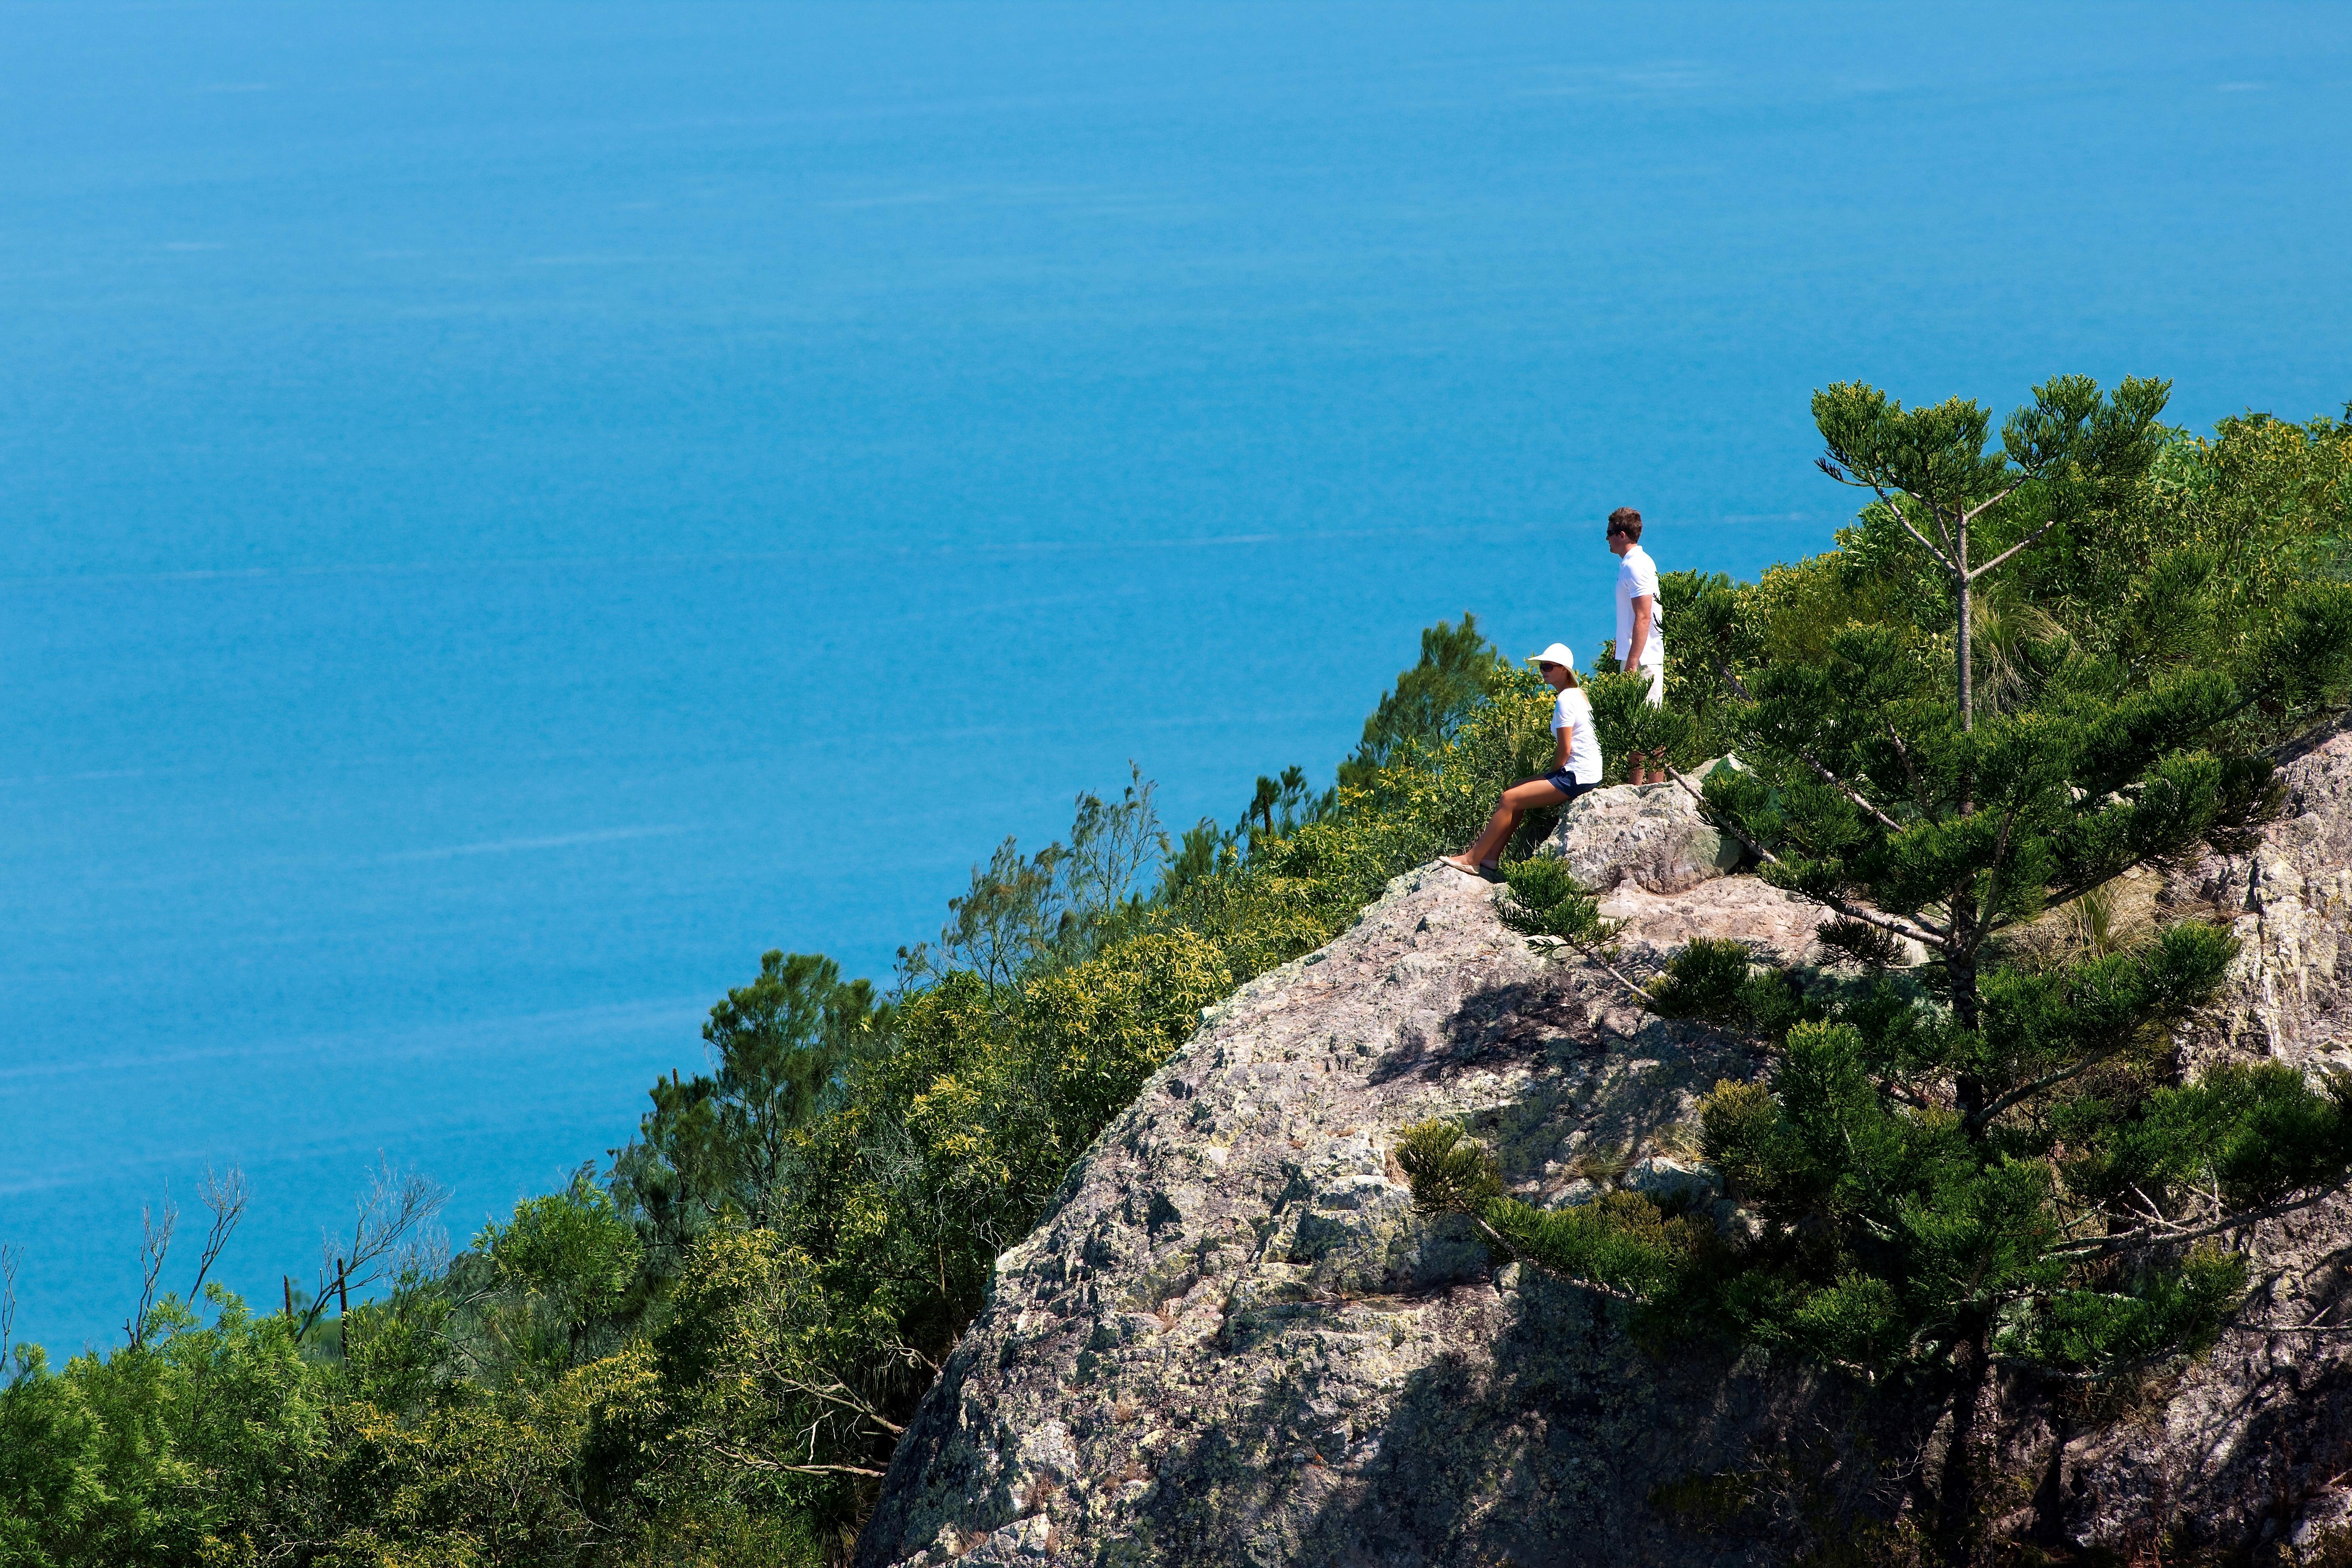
(1516, 799)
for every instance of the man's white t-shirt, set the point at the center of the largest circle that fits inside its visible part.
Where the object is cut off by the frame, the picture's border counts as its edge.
(1638, 575)
(1573, 713)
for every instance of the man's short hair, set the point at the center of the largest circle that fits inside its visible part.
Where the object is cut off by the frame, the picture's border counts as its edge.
(1627, 521)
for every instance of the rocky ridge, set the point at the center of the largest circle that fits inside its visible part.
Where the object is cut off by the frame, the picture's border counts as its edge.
(1233, 1342)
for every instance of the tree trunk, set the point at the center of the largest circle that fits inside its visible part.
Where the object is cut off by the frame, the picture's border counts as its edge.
(1968, 636)
(1957, 1500)
(2050, 1497)
(1960, 972)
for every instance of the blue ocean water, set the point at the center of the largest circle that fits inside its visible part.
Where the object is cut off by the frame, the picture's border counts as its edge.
(512, 510)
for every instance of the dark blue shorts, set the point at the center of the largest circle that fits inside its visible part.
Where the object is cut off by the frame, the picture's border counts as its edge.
(1565, 782)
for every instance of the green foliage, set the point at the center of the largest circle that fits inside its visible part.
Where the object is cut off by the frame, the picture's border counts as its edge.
(1059, 906)
(1717, 980)
(715, 1146)
(568, 1264)
(1450, 1174)
(174, 1451)
(1626, 721)
(1426, 708)
(1621, 1243)
(1546, 902)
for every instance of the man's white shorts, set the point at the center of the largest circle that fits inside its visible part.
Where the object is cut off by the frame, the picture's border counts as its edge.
(1657, 686)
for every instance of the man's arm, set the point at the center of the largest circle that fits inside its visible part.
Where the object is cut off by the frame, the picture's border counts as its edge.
(1643, 606)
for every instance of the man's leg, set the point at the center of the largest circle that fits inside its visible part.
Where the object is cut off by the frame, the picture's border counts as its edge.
(1649, 767)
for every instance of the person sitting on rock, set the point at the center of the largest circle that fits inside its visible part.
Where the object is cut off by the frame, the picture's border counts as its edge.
(1575, 765)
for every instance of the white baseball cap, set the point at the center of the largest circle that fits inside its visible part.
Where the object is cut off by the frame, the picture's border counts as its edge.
(1556, 653)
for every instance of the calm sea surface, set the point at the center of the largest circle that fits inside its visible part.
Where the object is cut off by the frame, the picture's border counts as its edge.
(508, 510)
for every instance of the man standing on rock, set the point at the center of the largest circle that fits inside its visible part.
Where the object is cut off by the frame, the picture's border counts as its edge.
(1639, 646)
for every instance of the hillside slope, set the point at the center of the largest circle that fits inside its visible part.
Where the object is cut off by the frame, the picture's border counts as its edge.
(1233, 1342)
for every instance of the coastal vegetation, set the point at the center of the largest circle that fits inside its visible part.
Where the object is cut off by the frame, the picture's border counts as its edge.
(704, 1348)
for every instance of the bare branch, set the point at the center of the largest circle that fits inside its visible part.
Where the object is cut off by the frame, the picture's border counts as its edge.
(840, 1394)
(2160, 1232)
(1896, 1093)
(154, 1245)
(1976, 571)
(224, 1196)
(761, 1462)
(2312, 1327)
(9, 1258)
(393, 1211)
(1594, 955)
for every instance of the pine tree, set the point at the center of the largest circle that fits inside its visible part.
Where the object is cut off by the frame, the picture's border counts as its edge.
(1930, 469)
(718, 1145)
(1458, 668)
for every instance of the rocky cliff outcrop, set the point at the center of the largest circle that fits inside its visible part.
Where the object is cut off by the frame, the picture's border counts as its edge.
(1233, 1342)
(1653, 839)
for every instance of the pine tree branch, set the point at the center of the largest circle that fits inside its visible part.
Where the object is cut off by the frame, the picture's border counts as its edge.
(1989, 918)
(1594, 955)
(1924, 933)
(1978, 571)
(2025, 1093)
(1910, 768)
(1847, 790)
(1990, 501)
(1740, 690)
(1502, 1244)
(2078, 1375)
(1944, 555)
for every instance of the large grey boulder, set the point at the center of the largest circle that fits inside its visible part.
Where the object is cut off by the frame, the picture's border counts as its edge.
(1233, 1342)
(1653, 838)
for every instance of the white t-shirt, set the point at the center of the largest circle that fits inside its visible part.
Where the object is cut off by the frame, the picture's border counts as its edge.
(1638, 575)
(1573, 713)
